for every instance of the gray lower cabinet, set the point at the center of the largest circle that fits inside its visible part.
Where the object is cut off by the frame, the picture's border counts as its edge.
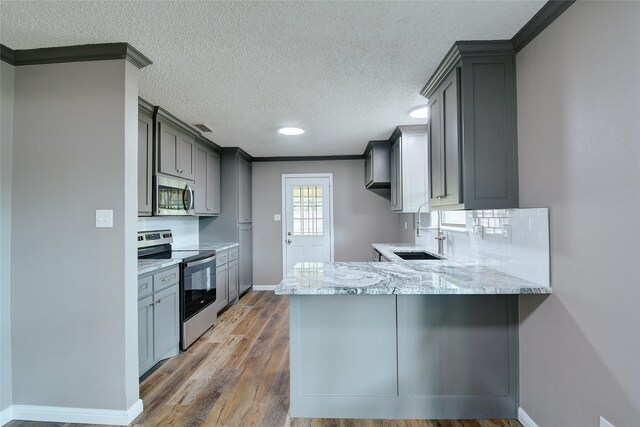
(472, 128)
(233, 280)
(145, 161)
(246, 257)
(158, 317)
(207, 182)
(222, 287)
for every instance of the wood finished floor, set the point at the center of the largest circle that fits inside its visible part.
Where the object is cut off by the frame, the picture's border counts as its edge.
(237, 375)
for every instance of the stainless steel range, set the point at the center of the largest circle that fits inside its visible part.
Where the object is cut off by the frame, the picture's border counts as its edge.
(197, 282)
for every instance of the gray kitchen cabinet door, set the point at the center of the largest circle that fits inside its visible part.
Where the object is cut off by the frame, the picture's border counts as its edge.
(166, 321)
(176, 152)
(435, 150)
(145, 334)
(222, 284)
(244, 191)
(396, 174)
(185, 151)
(213, 183)
(201, 182)
(452, 161)
(472, 128)
(145, 162)
(207, 181)
(233, 280)
(246, 257)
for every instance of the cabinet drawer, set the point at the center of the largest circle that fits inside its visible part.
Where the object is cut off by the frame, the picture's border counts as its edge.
(145, 286)
(222, 258)
(233, 254)
(165, 278)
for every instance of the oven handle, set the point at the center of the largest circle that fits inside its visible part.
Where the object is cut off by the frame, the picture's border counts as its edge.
(200, 262)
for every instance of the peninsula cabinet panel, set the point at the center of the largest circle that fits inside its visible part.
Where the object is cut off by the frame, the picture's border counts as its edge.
(472, 128)
(145, 334)
(233, 280)
(145, 163)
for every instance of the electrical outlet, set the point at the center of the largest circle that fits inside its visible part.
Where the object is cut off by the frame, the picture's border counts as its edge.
(478, 231)
(605, 423)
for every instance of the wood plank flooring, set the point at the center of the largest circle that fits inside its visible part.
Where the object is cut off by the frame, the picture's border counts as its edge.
(237, 375)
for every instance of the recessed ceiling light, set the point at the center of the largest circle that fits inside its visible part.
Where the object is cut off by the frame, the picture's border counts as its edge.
(419, 112)
(291, 131)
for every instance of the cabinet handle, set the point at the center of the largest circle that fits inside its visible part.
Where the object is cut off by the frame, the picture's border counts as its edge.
(166, 279)
(157, 302)
(146, 285)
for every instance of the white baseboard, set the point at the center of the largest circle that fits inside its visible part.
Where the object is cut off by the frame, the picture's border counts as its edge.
(6, 415)
(76, 415)
(259, 288)
(525, 419)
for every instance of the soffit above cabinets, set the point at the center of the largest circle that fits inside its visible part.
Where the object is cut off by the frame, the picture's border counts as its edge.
(346, 72)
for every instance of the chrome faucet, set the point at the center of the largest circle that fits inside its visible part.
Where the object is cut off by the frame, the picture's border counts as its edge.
(440, 237)
(418, 227)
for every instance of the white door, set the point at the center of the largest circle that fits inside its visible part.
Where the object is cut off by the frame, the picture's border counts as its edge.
(307, 226)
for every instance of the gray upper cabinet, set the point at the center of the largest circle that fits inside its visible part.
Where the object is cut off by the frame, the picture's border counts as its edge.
(145, 161)
(472, 128)
(207, 181)
(244, 191)
(377, 165)
(408, 166)
(176, 151)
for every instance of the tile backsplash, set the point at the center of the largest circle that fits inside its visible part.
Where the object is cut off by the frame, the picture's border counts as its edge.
(513, 241)
(186, 230)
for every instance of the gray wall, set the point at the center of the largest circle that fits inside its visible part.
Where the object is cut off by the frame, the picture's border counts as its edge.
(361, 217)
(73, 293)
(6, 138)
(579, 154)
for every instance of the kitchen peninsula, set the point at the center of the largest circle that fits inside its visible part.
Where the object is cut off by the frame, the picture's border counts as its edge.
(403, 339)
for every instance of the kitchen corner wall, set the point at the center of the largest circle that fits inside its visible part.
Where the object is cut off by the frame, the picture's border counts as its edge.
(361, 217)
(6, 143)
(73, 286)
(579, 154)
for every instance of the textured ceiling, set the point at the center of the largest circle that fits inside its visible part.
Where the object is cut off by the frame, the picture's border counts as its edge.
(347, 72)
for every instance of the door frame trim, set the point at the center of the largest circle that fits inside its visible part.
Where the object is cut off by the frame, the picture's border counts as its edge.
(283, 217)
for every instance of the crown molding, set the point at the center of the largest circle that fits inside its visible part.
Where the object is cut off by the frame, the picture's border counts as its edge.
(541, 20)
(78, 53)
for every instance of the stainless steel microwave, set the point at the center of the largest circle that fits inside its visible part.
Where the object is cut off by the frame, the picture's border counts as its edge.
(173, 196)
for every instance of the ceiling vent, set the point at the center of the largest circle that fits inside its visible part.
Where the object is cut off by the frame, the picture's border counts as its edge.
(202, 127)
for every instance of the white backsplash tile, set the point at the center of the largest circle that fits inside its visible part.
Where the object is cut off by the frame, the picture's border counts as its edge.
(186, 230)
(514, 241)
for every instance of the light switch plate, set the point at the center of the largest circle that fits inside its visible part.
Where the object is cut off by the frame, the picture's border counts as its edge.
(277, 217)
(104, 218)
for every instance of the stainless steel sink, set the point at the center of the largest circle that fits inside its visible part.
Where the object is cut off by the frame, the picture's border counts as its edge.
(417, 255)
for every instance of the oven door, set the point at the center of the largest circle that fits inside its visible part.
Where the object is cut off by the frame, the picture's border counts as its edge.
(173, 197)
(198, 286)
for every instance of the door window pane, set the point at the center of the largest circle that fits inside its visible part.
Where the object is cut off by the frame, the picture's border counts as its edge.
(307, 210)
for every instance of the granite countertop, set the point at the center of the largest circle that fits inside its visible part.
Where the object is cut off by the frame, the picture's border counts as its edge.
(216, 247)
(399, 277)
(149, 265)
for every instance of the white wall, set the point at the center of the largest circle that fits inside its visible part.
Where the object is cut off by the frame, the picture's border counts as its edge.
(361, 217)
(73, 286)
(579, 154)
(6, 142)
